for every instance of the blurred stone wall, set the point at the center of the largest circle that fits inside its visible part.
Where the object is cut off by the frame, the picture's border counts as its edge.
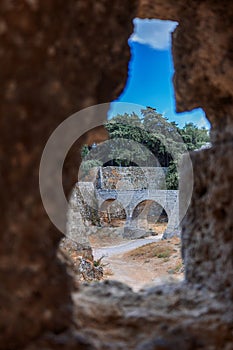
(131, 178)
(56, 58)
(202, 53)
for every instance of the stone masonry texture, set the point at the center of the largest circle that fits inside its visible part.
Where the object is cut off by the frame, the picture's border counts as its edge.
(56, 58)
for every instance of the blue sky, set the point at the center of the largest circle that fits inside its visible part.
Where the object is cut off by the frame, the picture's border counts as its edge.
(150, 74)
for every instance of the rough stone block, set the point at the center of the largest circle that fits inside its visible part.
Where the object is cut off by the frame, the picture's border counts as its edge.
(207, 229)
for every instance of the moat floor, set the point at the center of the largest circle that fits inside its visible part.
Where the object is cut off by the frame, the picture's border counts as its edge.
(141, 262)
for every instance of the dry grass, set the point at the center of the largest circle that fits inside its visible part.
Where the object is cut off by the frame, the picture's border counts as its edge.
(178, 268)
(152, 250)
(151, 262)
(108, 272)
(101, 241)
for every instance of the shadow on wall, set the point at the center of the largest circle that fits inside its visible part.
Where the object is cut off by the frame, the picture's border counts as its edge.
(112, 214)
(151, 216)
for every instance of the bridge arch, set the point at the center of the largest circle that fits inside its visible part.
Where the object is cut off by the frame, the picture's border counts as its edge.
(112, 213)
(149, 208)
(149, 214)
(167, 199)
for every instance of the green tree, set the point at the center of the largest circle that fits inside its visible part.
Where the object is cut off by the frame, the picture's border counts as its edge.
(193, 136)
(84, 151)
(164, 140)
(126, 118)
(132, 127)
(157, 123)
(172, 179)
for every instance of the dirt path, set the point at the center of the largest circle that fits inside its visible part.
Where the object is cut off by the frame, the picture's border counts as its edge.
(140, 271)
(110, 251)
(135, 274)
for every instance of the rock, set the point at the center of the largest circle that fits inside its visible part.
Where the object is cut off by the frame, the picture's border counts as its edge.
(80, 261)
(88, 271)
(76, 249)
(158, 317)
(51, 67)
(57, 58)
(134, 233)
(175, 233)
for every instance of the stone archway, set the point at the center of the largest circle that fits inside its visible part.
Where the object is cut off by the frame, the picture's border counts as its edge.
(57, 77)
(112, 213)
(147, 213)
(168, 199)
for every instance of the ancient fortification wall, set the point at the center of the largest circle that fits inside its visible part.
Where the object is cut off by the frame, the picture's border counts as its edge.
(127, 187)
(131, 178)
(56, 58)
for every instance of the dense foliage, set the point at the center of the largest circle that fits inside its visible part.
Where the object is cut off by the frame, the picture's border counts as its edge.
(147, 141)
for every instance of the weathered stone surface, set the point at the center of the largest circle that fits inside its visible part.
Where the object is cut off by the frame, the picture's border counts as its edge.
(202, 53)
(131, 178)
(81, 213)
(79, 261)
(71, 247)
(112, 316)
(208, 226)
(167, 199)
(127, 188)
(57, 57)
(134, 233)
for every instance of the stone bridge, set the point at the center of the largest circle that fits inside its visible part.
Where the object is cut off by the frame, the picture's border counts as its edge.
(130, 199)
(130, 187)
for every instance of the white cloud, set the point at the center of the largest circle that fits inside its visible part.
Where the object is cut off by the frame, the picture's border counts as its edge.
(203, 122)
(153, 32)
